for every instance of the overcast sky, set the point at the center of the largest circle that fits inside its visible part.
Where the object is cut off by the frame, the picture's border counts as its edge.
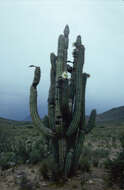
(29, 31)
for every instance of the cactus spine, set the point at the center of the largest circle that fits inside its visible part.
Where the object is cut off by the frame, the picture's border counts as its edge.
(66, 105)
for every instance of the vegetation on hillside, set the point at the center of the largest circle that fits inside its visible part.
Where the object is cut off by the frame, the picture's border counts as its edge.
(22, 144)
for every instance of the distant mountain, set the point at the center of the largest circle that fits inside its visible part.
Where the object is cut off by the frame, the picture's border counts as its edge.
(13, 122)
(8, 121)
(114, 114)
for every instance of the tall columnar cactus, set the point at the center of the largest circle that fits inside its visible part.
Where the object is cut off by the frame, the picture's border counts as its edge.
(66, 105)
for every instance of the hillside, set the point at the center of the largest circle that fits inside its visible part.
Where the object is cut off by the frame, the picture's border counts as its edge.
(10, 122)
(109, 123)
(113, 115)
(100, 144)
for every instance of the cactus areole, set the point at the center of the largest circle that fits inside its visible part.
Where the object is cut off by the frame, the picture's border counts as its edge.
(66, 105)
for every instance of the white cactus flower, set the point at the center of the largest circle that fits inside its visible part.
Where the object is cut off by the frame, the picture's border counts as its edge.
(64, 75)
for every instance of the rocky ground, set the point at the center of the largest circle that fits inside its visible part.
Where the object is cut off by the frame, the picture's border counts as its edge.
(28, 178)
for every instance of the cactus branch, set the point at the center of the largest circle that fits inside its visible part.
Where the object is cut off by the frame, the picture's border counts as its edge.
(78, 97)
(33, 105)
(91, 123)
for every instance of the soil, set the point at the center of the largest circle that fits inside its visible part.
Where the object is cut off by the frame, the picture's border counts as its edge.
(92, 181)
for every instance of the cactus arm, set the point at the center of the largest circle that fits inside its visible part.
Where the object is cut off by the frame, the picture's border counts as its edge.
(91, 123)
(59, 71)
(33, 105)
(51, 98)
(72, 86)
(78, 97)
(68, 162)
(64, 104)
(78, 148)
(64, 83)
(60, 57)
(66, 34)
(84, 81)
(83, 129)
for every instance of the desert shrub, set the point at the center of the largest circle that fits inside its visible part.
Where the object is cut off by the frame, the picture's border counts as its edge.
(115, 168)
(21, 152)
(95, 162)
(107, 163)
(122, 141)
(54, 170)
(41, 146)
(100, 153)
(39, 151)
(35, 156)
(84, 164)
(49, 169)
(86, 151)
(7, 160)
(94, 156)
(31, 149)
(44, 170)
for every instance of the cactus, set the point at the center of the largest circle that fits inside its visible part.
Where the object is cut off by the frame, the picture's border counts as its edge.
(66, 128)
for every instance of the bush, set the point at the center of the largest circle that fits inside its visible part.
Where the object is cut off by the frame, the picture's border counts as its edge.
(84, 164)
(115, 168)
(44, 169)
(94, 156)
(95, 162)
(100, 153)
(35, 156)
(49, 169)
(107, 163)
(7, 160)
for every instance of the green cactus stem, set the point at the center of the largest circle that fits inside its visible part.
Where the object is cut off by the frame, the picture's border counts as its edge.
(66, 34)
(68, 162)
(78, 96)
(51, 98)
(85, 76)
(78, 148)
(91, 122)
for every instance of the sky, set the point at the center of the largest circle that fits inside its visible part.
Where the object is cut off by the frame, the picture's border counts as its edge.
(29, 31)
